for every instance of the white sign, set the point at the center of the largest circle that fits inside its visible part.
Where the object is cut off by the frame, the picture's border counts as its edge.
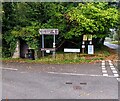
(71, 50)
(90, 42)
(47, 51)
(83, 46)
(48, 31)
(83, 42)
(90, 49)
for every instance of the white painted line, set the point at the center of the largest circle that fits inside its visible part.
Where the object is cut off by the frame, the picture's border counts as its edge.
(114, 71)
(103, 61)
(104, 71)
(74, 74)
(103, 66)
(111, 66)
(109, 60)
(116, 75)
(118, 79)
(105, 74)
(10, 69)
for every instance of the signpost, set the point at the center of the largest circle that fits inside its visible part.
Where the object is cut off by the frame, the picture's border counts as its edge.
(90, 49)
(48, 32)
(88, 37)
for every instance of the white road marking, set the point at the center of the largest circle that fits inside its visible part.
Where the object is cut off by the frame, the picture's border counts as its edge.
(103, 64)
(112, 68)
(110, 64)
(109, 60)
(10, 69)
(74, 74)
(105, 74)
(104, 71)
(116, 75)
(114, 71)
(103, 68)
(23, 72)
(103, 61)
(118, 79)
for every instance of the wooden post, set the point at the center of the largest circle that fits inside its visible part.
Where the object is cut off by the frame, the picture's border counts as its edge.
(83, 47)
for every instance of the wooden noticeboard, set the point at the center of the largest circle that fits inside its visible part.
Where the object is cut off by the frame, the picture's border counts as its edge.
(84, 37)
(89, 37)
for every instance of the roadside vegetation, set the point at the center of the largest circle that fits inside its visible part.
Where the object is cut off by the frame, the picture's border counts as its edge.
(115, 42)
(70, 58)
(22, 20)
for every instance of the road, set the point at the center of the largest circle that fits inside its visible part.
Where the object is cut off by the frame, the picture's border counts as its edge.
(113, 46)
(42, 81)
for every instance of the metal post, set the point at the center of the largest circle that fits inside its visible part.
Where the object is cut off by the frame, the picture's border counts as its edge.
(54, 46)
(42, 44)
(83, 47)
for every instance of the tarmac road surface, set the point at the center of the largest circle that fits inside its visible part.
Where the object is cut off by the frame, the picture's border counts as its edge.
(39, 81)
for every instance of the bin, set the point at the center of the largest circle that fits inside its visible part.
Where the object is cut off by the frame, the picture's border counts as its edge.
(31, 54)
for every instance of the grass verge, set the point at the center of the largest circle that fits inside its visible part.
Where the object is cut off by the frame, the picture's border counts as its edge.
(115, 42)
(69, 58)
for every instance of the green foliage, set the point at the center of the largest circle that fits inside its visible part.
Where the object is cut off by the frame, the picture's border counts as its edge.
(10, 42)
(92, 18)
(24, 19)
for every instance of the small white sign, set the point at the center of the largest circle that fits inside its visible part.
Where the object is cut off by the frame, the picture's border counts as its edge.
(83, 42)
(83, 46)
(90, 42)
(53, 45)
(90, 49)
(71, 50)
(47, 51)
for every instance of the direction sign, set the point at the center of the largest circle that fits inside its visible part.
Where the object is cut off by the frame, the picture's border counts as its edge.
(48, 31)
(71, 50)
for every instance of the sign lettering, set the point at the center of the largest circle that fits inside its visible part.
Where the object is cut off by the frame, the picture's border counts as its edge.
(48, 31)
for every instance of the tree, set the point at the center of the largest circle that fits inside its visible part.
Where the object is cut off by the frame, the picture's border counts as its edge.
(91, 18)
(23, 20)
